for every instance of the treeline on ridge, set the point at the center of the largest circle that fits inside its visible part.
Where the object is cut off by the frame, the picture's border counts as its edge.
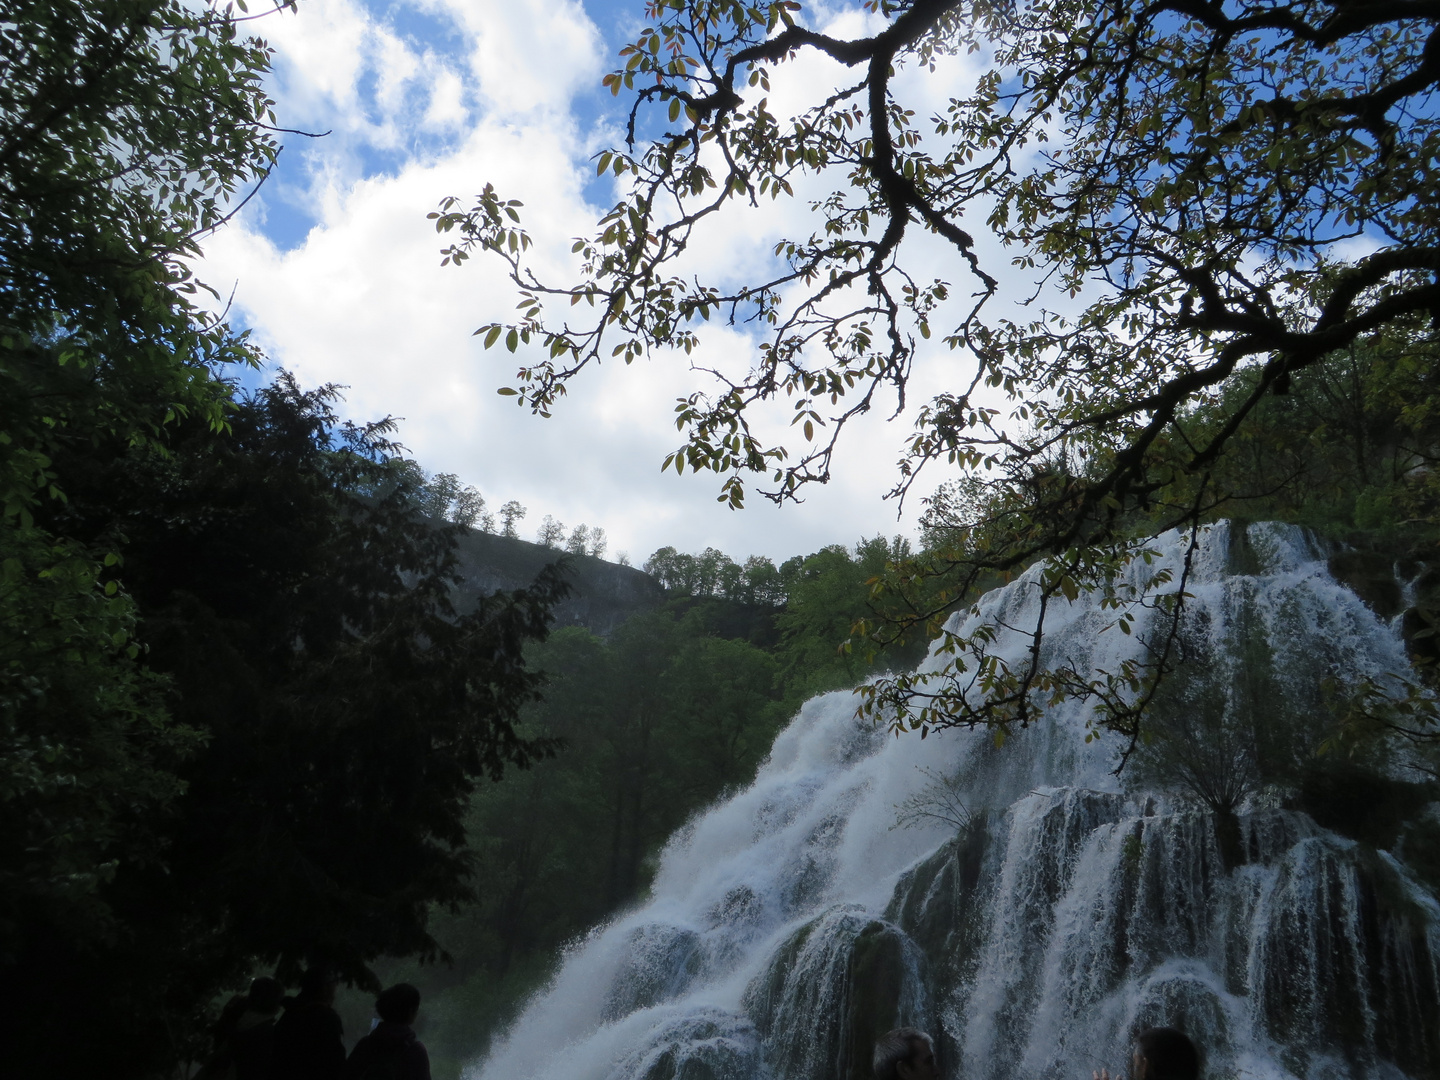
(675, 708)
(682, 703)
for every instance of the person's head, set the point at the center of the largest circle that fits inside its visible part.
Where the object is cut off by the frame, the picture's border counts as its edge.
(318, 984)
(905, 1054)
(399, 1004)
(265, 995)
(1165, 1054)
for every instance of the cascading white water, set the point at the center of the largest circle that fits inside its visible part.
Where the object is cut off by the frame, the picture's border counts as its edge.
(794, 921)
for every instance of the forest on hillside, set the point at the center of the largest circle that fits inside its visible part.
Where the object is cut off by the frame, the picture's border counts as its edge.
(674, 709)
(680, 706)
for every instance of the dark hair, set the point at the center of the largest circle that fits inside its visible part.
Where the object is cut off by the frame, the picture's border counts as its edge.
(398, 1004)
(1170, 1054)
(265, 994)
(894, 1047)
(315, 983)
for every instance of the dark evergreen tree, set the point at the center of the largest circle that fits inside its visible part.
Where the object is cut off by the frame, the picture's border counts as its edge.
(345, 712)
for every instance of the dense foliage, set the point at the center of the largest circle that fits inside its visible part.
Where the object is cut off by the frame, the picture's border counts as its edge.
(1207, 200)
(125, 127)
(240, 719)
(339, 715)
(818, 600)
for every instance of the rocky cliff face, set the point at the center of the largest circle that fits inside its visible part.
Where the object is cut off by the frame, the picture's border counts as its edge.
(602, 596)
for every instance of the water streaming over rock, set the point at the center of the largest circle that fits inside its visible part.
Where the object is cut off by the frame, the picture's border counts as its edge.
(794, 921)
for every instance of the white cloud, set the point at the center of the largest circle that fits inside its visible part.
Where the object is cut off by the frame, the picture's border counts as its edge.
(447, 102)
(398, 65)
(362, 300)
(320, 53)
(527, 55)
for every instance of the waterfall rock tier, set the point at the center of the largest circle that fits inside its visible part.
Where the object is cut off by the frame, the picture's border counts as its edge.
(796, 920)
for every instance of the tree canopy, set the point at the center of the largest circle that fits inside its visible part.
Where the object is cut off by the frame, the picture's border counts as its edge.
(322, 715)
(1196, 196)
(126, 128)
(241, 717)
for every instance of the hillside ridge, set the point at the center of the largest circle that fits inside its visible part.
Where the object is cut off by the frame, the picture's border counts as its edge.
(603, 594)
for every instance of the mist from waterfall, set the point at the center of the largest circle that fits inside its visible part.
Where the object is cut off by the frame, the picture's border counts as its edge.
(794, 921)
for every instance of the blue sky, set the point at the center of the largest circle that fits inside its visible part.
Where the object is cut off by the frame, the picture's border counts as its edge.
(289, 214)
(336, 270)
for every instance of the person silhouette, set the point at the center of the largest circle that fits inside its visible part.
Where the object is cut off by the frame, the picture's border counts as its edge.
(905, 1054)
(308, 1043)
(253, 1038)
(391, 1050)
(1160, 1054)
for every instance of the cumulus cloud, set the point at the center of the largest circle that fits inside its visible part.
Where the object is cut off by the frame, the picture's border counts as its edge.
(527, 55)
(447, 102)
(481, 91)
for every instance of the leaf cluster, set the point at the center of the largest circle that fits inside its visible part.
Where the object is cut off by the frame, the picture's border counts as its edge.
(126, 127)
(240, 716)
(1206, 196)
(341, 712)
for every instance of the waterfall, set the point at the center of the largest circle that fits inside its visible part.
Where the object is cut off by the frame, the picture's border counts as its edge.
(793, 922)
